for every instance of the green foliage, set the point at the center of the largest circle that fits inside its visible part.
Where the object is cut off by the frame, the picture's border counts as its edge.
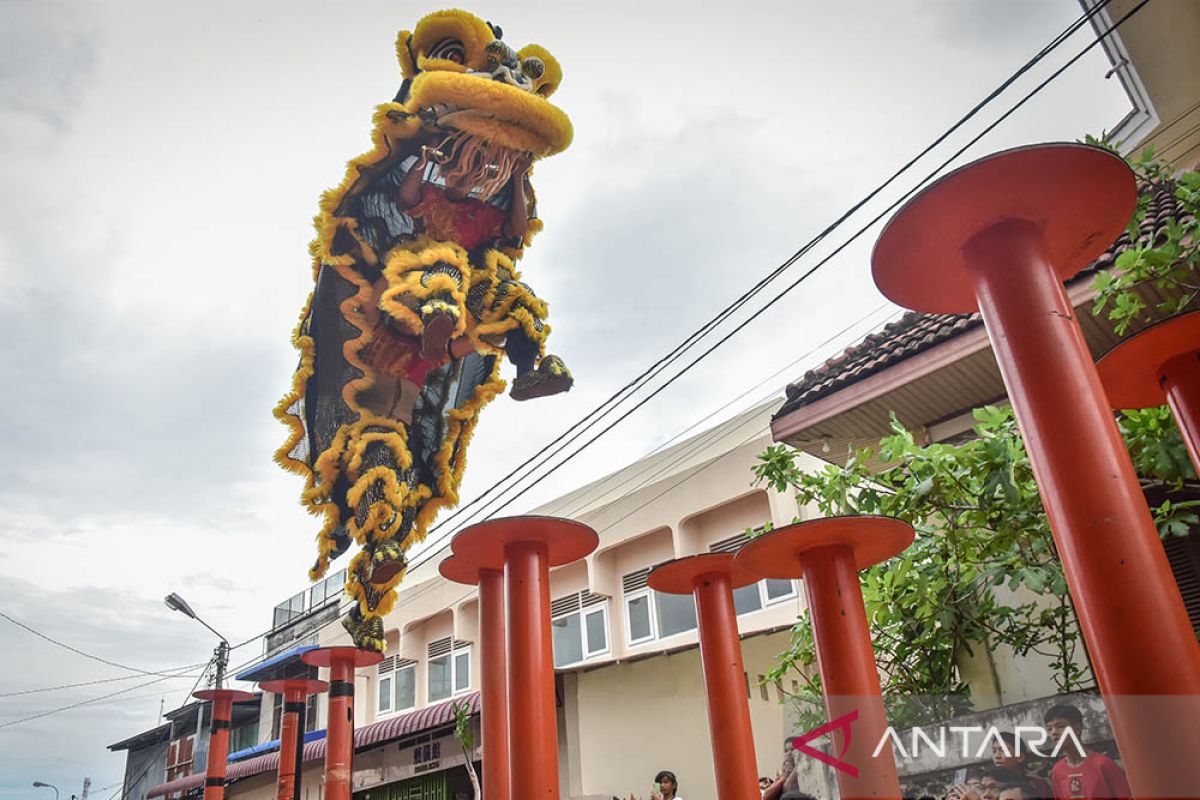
(462, 727)
(980, 526)
(1171, 261)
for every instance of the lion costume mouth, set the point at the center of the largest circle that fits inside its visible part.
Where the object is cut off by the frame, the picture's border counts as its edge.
(497, 111)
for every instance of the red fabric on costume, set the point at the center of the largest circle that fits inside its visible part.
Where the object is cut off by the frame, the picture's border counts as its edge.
(468, 223)
(1097, 776)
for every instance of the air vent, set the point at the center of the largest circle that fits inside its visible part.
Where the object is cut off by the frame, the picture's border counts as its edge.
(387, 665)
(586, 599)
(635, 580)
(730, 545)
(440, 647)
(565, 605)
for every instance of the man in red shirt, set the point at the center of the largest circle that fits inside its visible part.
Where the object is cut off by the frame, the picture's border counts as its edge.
(1081, 773)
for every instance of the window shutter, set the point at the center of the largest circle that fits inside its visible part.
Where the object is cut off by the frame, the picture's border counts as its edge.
(635, 580)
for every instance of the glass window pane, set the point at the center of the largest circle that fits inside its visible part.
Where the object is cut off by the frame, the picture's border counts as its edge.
(597, 631)
(568, 642)
(385, 693)
(779, 588)
(639, 617)
(746, 599)
(676, 613)
(439, 678)
(462, 671)
(406, 688)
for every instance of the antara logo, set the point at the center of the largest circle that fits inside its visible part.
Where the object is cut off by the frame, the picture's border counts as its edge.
(1028, 739)
(842, 723)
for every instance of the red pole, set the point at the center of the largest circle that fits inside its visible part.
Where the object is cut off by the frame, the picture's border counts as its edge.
(710, 579)
(493, 689)
(827, 554)
(1122, 585)
(339, 727)
(532, 715)
(218, 739)
(291, 731)
(494, 684)
(1181, 380)
(525, 548)
(847, 664)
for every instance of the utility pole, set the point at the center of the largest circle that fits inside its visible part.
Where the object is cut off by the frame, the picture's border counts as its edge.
(221, 656)
(87, 784)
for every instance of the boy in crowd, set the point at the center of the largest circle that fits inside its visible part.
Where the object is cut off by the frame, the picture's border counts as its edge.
(1014, 755)
(1021, 790)
(1081, 772)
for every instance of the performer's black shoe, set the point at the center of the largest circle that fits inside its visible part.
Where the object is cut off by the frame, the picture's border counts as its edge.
(550, 377)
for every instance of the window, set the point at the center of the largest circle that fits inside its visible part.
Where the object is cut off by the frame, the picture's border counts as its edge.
(757, 595)
(652, 615)
(310, 715)
(406, 687)
(397, 690)
(579, 627)
(449, 669)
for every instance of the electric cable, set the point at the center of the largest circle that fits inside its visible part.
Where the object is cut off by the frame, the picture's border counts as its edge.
(492, 509)
(76, 685)
(92, 701)
(93, 657)
(695, 337)
(434, 545)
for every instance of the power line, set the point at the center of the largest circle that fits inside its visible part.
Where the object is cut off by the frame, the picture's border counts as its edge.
(87, 702)
(1036, 90)
(593, 417)
(436, 543)
(93, 657)
(76, 685)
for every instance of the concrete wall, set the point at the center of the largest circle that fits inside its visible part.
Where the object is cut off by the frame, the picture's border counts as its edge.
(626, 721)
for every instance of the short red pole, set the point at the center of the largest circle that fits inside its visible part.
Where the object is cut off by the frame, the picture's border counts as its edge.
(493, 689)
(494, 684)
(525, 548)
(847, 664)
(339, 727)
(1181, 380)
(291, 731)
(532, 720)
(827, 553)
(710, 579)
(218, 739)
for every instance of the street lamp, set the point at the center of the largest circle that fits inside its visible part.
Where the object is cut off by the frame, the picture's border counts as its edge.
(40, 785)
(177, 603)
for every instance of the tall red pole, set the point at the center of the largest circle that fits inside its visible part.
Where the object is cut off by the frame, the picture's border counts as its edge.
(528, 547)
(493, 687)
(218, 738)
(827, 554)
(1008, 229)
(291, 731)
(711, 579)
(339, 727)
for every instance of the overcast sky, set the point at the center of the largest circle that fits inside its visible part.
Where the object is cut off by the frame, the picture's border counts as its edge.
(160, 164)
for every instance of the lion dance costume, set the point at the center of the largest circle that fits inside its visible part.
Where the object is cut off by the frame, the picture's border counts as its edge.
(417, 299)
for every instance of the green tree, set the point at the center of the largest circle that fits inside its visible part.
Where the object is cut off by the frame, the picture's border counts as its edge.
(976, 509)
(980, 525)
(466, 740)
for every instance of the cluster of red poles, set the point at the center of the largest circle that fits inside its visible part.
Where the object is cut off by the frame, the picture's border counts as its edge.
(999, 236)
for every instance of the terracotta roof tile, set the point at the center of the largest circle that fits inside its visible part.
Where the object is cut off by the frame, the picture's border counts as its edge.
(916, 332)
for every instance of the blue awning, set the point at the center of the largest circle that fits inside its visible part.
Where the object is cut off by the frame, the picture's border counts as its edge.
(285, 665)
(272, 746)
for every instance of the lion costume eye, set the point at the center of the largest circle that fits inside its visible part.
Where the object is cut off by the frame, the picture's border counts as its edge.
(449, 50)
